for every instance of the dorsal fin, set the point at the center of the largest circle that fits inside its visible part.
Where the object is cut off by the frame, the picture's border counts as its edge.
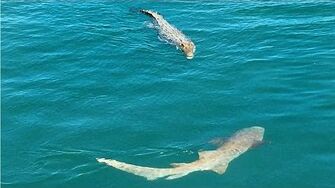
(205, 154)
(220, 168)
(177, 164)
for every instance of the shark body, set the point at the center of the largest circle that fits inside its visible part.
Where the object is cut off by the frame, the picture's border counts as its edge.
(172, 34)
(214, 160)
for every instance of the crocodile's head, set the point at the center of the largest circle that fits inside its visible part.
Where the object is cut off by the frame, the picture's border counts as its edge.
(188, 48)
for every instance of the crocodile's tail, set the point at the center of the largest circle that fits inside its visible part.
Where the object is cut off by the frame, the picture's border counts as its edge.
(147, 12)
(150, 13)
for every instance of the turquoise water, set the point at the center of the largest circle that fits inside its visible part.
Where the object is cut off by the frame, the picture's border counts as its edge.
(89, 79)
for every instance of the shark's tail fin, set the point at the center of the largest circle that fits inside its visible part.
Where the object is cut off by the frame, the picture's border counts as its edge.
(147, 172)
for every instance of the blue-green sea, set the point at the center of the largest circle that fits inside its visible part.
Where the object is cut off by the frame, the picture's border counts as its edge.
(87, 79)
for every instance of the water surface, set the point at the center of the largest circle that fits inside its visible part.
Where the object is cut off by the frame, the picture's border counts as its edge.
(90, 79)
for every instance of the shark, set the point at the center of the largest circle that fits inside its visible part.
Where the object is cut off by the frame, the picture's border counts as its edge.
(210, 160)
(172, 34)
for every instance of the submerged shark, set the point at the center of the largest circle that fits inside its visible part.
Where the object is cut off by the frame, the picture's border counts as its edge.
(214, 160)
(172, 34)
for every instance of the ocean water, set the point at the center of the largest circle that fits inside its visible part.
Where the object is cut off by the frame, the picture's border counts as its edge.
(88, 79)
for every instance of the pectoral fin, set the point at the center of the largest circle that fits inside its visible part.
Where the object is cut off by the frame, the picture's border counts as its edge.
(220, 168)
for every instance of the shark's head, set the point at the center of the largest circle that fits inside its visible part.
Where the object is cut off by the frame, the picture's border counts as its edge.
(253, 134)
(188, 48)
(246, 136)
